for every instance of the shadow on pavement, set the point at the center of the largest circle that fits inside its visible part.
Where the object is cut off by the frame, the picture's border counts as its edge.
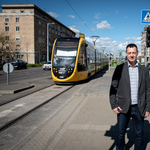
(130, 135)
(97, 75)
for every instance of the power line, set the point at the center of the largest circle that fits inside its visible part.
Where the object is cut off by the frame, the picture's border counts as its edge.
(79, 17)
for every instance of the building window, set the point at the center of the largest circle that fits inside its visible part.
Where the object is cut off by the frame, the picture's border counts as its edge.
(17, 38)
(8, 11)
(17, 47)
(7, 38)
(6, 28)
(17, 19)
(43, 33)
(17, 11)
(43, 41)
(39, 31)
(39, 22)
(17, 28)
(43, 24)
(17, 56)
(56, 26)
(39, 40)
(49, 29)
(52, 30)
(27, 11)
(7, 47)
(56, 32)
(6, 19)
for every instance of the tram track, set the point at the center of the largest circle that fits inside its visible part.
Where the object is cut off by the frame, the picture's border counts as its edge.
(11, 122)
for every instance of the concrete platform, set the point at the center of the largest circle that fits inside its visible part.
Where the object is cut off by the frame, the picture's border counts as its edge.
(13, 88)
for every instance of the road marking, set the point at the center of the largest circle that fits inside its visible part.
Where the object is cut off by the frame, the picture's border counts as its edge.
(8, 111)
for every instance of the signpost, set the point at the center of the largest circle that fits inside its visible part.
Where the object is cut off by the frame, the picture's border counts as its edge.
(145, 16)
(8, 68)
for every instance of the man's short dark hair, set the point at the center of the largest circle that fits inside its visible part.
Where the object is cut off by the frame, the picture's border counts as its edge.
(131, 45)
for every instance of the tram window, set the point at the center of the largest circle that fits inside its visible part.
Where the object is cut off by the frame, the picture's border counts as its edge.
(82, 60)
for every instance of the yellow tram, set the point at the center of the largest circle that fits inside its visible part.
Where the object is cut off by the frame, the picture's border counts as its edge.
(75, 59)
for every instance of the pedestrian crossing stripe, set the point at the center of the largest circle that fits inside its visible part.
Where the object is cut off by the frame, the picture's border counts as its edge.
(145, 16)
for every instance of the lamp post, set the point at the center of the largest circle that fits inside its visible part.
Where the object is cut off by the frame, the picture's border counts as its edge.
(94, 38)
(103, 49)
(48, 40)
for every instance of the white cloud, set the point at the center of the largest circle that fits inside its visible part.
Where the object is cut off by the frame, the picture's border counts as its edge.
(112, 45)
(97, 15)
(116, 12)
(131, 39)
(53, 14)
(95, 21)
(104, 25)
(106, 39)
(92, 29)
(125, 17)
(71, 16)
(73, 28)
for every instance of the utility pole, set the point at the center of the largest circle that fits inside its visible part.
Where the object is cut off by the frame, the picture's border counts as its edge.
(94, 38)
(109, 60)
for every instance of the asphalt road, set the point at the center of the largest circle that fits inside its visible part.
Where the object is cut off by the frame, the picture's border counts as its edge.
(24, 74)
(36, 75)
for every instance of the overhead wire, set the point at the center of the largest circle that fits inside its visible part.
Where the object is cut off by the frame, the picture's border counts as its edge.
(80, 17)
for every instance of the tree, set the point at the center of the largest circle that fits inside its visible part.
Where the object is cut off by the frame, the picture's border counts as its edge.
(6, 48)
(40, 49)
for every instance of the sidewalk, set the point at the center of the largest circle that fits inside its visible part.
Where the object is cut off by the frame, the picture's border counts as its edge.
(86, 122)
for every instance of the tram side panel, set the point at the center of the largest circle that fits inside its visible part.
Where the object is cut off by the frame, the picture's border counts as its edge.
(91, 60)
(82, 66)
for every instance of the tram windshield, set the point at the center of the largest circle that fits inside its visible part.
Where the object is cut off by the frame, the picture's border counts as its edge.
(65, 54)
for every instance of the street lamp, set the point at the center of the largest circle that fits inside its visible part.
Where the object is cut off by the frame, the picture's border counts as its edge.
(48, 40)
(94, 38)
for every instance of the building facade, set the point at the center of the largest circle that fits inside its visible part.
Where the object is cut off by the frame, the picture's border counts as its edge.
(143, 45)
(30, 32)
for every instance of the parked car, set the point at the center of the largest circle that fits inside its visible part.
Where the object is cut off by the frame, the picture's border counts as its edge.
(19, 64)
(47, 65)
(148, 65)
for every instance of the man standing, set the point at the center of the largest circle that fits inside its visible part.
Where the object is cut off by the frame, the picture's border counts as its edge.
(130, 97)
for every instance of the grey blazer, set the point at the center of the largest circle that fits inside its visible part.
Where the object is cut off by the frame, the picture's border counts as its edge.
(120, 94)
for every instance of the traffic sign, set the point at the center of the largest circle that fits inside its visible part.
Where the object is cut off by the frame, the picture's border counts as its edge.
(8, 67)
(145, 16)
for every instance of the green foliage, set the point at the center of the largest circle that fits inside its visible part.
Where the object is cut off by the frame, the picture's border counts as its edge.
(1, 67)
(34, 65)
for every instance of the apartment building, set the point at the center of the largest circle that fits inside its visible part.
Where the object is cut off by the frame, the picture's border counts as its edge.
(30, 32)
(143, 45)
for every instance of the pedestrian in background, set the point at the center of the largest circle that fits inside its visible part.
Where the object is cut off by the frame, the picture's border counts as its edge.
(130, 97)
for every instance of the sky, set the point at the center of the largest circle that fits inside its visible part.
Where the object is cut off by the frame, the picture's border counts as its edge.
(116, 22)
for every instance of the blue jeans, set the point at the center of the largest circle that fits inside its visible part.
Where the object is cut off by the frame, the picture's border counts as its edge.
(138, 123)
